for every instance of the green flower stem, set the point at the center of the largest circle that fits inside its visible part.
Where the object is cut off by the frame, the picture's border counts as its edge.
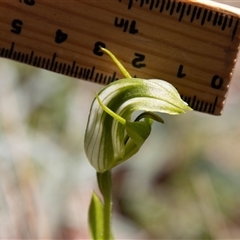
(105, 186)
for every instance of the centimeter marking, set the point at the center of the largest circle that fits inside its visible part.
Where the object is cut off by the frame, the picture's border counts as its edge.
(51, 64)
(134, 18)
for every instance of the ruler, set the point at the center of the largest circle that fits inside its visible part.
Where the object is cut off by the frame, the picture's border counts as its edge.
(192, 44)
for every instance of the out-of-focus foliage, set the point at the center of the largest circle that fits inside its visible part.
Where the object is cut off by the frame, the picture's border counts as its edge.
(184, 184)
(45, 181)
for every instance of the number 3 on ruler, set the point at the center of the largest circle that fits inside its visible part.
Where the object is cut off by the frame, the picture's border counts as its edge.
(29, 2)
(136, 62)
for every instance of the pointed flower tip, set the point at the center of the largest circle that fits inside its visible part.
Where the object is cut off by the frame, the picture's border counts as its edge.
(187, 107)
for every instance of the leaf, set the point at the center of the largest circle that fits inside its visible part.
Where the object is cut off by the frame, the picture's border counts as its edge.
(138, 131)
(95, 218)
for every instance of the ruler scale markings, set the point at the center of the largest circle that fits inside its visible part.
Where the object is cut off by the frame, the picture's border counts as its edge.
(230, 23)
(204, 17)
(205, 107)
(199, 105)
(59, 68)
(35, 61)
(201, 93)
(220, 20)
(157, 4)
(25, 59)
(68, 70)
(215, 19)
(43, 63)
(224, 22)
(80, 72)
(14, 55)
(199, 13)
(22, 58)
(196, 14)
(96, 78)
(168, 5)
(162, 6)
(151, 5)
(18, 56)
(179, 5)
(40, 60)
(182, 11)
(10, 51)
(72, 69)
(189, 10)
(76, 72)
(215, 104)
(55, 67)
(193, 101)
(210, 16)
(235, 29)
(172, 8)
(63, 69)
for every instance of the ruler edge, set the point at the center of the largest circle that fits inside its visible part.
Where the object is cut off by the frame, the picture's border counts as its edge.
(208, 4)
(215, 6)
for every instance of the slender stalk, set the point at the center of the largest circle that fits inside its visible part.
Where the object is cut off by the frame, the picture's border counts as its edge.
(105, 186)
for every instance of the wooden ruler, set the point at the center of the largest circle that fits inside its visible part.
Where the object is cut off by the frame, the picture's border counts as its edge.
(192, 44)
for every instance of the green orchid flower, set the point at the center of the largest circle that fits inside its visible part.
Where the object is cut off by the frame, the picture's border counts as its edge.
(111, 135)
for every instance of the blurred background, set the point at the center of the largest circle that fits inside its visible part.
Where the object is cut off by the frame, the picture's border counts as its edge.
(183, 184)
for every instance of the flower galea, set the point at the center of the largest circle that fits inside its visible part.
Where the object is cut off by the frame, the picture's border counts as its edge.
(111, 135)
